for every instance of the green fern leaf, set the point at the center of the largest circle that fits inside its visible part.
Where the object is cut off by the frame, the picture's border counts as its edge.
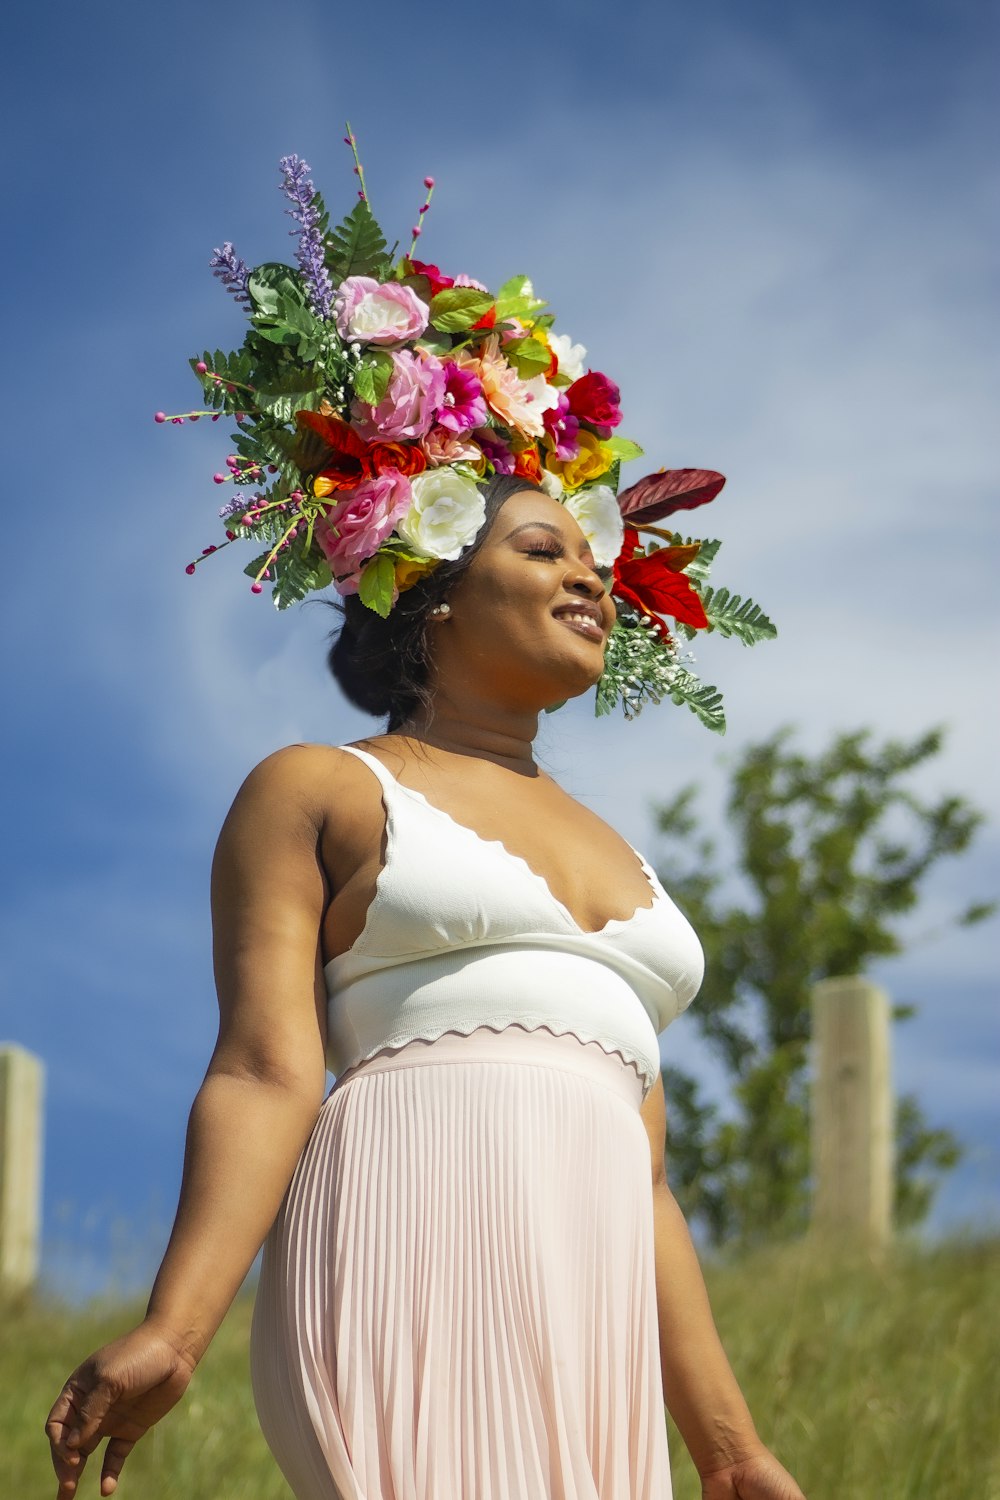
(707, 550)
(730, 615)
(296, 575)
(357, 246)
(702, 700)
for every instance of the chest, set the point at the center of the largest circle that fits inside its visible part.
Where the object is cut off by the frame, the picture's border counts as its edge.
(497, 833)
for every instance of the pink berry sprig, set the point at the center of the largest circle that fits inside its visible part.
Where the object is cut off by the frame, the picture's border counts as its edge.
(418, 227)
(185, 416)
(351, 140)
(231, 385)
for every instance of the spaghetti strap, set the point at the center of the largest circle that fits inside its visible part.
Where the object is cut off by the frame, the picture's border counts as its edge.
(373, 763)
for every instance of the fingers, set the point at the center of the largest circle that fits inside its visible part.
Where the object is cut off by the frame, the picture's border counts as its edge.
(73, 1430)
(66, 1461)
(115, 1455)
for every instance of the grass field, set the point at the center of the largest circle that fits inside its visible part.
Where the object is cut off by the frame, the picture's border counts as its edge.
(871, 1381)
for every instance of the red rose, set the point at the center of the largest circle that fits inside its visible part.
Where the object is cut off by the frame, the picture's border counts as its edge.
(594, 399)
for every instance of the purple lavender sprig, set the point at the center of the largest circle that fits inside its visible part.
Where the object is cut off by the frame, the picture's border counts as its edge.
(298, 188)
(231, 271)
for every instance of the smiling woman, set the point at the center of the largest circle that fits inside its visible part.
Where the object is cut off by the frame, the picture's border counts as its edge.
(476, 1283)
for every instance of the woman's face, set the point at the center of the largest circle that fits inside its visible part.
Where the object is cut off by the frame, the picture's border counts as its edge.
(530, 611)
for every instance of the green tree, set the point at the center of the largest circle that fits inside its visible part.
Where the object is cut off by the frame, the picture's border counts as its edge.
(830, 852)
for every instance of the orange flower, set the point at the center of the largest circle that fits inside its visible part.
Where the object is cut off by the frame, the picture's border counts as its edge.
(405, 458)
(527, 465)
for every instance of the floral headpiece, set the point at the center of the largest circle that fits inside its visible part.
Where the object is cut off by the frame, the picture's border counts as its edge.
(373, 395)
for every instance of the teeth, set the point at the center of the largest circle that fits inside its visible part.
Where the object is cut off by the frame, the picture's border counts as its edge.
(580, 618)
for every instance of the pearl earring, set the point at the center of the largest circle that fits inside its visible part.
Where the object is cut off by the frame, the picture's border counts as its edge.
(444, 608)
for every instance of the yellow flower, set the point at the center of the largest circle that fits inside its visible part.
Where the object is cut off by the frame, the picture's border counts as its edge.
(408, 572)
(592, 460)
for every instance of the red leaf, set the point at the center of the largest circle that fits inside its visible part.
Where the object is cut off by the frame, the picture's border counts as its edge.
(659, 495)
(654, 585)
(335, 432)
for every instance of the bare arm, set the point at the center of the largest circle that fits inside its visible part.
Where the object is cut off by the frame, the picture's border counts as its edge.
(699, 1386)
(248, 1125)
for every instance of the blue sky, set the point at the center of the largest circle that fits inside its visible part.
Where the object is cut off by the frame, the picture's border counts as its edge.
(769, 222)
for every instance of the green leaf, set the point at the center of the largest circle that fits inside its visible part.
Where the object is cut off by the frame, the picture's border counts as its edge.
(730, 615)
(528, 356)
(273, 282)
(371, 378)
(436, 343)
(376, 584)
(293, 391)
(516, 299)
(697, 570)
(253, 568)
(357, 246)
(623, 448)
(702, 700)
(298, 574)
(458, 307)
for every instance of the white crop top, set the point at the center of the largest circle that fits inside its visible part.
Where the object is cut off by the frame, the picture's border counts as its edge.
(462, 934)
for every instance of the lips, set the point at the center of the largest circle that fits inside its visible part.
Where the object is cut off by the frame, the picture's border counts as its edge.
(585, 618)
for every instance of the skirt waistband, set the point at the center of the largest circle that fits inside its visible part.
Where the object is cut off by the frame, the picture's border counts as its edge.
(513, 1044)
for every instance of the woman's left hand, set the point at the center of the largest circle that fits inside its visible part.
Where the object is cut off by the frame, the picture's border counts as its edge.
(757, 1478)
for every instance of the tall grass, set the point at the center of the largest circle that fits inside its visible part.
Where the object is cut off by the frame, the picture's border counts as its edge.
(871, 1380)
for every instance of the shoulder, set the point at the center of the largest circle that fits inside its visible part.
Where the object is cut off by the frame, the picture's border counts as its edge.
(299, 786)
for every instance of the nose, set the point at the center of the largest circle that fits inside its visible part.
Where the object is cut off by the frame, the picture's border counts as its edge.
(585, 579)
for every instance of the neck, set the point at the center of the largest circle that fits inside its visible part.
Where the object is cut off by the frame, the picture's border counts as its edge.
(479, 728)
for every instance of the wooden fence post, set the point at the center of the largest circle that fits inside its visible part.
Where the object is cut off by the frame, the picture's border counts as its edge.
(853, 1111)
(21, 1090)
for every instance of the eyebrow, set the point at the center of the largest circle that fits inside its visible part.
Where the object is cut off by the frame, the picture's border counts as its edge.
(544, 526)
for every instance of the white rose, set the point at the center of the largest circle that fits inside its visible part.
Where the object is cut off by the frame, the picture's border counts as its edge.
(596, 513)
(552, 484)
(570, 356)
(543, 397)
(445, 516)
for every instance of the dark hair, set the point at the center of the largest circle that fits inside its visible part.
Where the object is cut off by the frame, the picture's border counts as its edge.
(381, 664)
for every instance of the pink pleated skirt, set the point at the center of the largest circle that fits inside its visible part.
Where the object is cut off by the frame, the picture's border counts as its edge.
(457, 1299)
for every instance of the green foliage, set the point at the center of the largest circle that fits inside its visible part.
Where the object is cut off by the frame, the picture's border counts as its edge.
(297, 574)
(235, 369)
(708, 550)
(372, 376)
(458, 308)
(376, 583)
(730, 615)
(703, 701)
(357, 246)
(624, 448)
(637, 671)
(832, 851)
(530, 357)
(516, 299)
(870, 1380)
(292, 390)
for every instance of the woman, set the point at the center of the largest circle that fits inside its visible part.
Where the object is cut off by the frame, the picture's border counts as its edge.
(476, 1281)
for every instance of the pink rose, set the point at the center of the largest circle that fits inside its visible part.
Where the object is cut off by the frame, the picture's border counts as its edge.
(356, 527)
(407, 410)
(372, 313)
(443, 447)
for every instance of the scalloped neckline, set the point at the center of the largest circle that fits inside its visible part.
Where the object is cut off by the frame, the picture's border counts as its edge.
(522, 863)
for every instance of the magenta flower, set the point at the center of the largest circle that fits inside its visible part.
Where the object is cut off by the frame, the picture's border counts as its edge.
(464, 405)
(410, 405)
(496, 450)
(562, 429)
